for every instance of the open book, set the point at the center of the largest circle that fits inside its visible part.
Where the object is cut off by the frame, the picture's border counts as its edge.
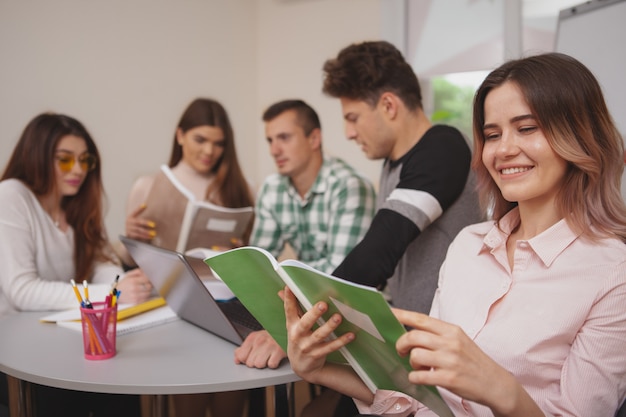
(182, 222)
(255, 277)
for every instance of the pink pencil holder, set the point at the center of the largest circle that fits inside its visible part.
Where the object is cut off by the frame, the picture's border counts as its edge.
(99, 330)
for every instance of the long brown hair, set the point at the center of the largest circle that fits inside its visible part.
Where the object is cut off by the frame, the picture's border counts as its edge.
(229, 184)
(32, 162)
(567, 102)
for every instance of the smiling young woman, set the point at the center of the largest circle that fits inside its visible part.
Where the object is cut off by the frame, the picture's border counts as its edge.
(528, 318)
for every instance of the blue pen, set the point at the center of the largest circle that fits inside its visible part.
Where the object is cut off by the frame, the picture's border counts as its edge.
(115, 297)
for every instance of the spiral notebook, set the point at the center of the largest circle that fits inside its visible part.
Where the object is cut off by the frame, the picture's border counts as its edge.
(70, 319)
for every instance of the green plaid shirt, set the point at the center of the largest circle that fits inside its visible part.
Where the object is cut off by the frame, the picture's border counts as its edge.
(323, 226)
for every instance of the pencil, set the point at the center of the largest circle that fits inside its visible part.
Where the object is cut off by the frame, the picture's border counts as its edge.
(76, 292)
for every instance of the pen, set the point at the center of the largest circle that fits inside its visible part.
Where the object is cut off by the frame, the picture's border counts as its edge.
(114, 285)
(114, 292)
(86, 302)
(93, 332)
(95, 337)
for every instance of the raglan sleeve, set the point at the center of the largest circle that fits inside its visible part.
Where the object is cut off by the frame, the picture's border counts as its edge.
(430, 181)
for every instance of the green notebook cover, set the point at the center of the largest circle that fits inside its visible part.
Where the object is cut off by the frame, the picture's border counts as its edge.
(255, 277)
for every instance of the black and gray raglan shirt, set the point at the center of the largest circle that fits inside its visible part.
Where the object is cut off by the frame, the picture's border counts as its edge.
(426, 197)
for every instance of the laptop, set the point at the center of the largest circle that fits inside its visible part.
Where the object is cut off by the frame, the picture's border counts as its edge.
(174, 278)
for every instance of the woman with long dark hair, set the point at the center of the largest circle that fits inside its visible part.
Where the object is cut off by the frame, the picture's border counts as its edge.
(204, 160)
(51, 231)
(51, 221)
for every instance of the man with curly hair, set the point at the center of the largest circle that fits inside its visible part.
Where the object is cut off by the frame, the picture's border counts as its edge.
(426, 191)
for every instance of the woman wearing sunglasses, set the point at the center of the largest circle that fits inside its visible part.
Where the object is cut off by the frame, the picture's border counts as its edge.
(51, 222)
(52, 230)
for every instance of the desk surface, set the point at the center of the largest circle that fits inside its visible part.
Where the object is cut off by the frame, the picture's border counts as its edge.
(172, 358)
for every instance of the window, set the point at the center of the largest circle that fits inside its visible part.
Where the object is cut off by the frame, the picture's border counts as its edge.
(453, 95)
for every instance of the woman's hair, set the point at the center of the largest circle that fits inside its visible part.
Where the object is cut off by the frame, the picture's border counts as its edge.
(364, 71)
(567, 102)
(229, 184)
(32, 162)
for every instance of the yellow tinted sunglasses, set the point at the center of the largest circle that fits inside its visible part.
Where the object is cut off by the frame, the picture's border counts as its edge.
(66, 161)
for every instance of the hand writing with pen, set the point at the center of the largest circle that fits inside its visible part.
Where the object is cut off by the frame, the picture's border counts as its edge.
(135, 287)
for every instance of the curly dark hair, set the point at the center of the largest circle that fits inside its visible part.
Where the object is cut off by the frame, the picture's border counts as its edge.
(364, 71)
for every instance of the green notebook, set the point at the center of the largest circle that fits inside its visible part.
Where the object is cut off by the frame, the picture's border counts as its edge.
(255, 277)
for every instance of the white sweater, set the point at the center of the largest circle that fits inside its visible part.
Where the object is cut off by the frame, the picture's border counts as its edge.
(36, 258)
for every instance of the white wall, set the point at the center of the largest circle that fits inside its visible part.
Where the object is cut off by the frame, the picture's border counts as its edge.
(579, 33)
(296, 37)
(127, 69)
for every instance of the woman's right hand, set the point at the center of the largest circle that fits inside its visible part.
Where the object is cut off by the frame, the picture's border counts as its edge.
(139, 228)
(308, 347)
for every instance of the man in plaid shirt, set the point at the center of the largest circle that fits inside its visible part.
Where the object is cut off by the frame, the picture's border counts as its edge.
(318, 205)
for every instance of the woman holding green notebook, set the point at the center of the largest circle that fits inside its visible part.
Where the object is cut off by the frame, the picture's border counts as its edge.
(529, 316)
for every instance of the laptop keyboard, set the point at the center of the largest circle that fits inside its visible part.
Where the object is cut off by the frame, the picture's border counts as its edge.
(237, 313)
